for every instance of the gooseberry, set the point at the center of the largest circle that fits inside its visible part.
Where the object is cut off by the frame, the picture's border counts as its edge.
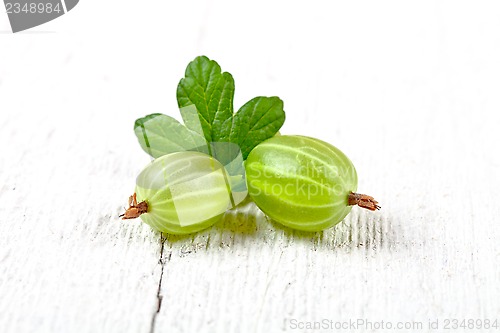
(181, 193)
(303, 183)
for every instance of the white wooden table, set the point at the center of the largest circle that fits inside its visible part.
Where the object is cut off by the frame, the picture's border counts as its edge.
(409, 91)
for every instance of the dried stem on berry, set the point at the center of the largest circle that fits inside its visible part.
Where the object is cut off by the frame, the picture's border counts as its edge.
(134, 209)
(363, 200)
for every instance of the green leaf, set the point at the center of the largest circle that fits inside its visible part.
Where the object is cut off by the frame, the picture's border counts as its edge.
(159, 134)
(205, 99)
(211, 92)
(259, 119)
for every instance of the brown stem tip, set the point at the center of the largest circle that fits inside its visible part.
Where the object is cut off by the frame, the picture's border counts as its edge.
(134, 209)
(363, 200)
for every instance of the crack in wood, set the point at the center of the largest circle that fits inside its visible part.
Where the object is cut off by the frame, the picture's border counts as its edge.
(159, 296)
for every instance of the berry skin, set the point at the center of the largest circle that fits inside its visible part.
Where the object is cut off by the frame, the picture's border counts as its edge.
(184, 192)
(303, 183)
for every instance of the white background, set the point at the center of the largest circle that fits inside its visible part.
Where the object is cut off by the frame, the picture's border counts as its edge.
(408, 90)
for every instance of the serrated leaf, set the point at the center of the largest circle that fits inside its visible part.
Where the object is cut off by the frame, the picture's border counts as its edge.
(259, 119)
(159, 134)
(211, 92)
(190, 116)
(205, 99)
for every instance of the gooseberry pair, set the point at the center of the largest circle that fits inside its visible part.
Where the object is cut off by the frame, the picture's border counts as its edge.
(300, 182)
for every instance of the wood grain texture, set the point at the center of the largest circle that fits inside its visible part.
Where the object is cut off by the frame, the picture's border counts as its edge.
(408, 91)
